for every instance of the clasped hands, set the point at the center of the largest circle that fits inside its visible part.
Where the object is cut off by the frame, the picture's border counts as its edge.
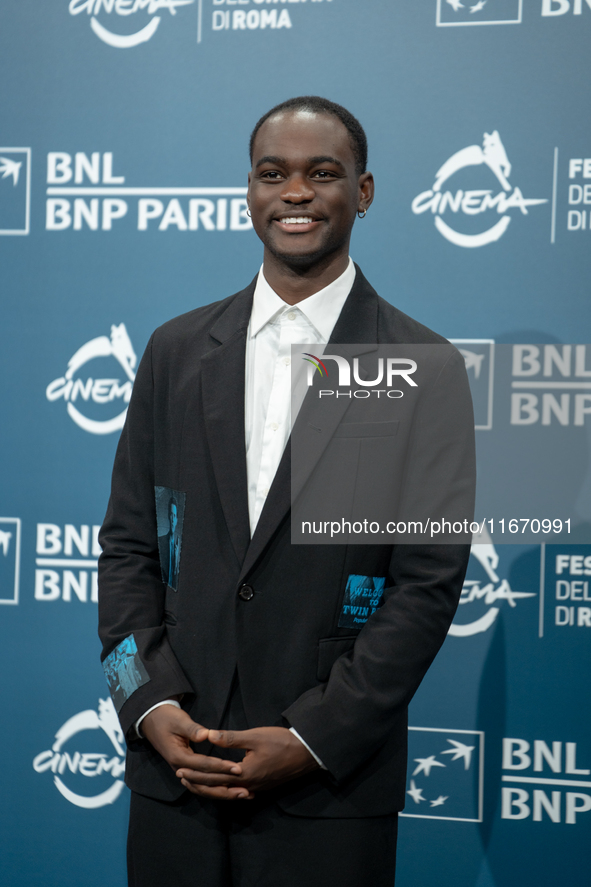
(273, 755)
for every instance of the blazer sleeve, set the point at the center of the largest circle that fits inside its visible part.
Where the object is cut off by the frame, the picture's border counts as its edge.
(138, 661)
(349, 718)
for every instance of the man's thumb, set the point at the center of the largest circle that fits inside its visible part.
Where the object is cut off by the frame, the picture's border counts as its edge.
(225, 738)
(194, 732)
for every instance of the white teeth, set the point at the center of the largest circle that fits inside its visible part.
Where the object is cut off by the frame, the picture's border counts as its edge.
(297, 220)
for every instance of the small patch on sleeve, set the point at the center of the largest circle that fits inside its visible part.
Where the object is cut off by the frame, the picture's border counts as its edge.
(363, 596)
(125, 671)
(170, 515)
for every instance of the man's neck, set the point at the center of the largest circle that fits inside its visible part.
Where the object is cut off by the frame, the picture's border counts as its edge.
(293, 285)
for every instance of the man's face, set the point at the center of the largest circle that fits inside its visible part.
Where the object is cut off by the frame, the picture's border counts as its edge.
(173, 517)
(304, 190)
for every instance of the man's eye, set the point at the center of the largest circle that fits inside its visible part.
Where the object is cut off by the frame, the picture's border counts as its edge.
(323, 174)
(271, 174)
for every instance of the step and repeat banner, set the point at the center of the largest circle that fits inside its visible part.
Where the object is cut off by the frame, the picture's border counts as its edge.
(123, 164)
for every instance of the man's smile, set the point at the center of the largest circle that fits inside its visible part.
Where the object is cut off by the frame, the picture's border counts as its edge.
(297, 224)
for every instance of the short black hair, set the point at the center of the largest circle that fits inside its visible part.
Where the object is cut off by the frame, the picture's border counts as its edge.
(318, 105)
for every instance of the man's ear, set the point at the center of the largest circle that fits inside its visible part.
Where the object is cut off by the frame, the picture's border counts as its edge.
(366, 190)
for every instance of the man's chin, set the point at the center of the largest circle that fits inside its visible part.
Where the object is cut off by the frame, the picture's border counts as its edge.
(303, 259)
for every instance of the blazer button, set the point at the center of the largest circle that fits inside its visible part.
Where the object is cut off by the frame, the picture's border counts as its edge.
(246, 593)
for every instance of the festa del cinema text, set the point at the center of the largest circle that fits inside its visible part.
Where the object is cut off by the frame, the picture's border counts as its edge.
(83, 193)
(259, 16)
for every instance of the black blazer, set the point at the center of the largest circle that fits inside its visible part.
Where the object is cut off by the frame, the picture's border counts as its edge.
(344, 690)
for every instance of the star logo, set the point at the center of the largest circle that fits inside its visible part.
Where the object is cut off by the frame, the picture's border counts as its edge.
(478, 12)
(473, 361)
(10, 168)
(415, 793)
(15, 190)
(425, 765)
(460, 751)
(10, 544)
(447, 771)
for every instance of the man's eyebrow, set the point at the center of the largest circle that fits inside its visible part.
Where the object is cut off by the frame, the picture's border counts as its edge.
(271, 158)
(313, 161)
(325, 159)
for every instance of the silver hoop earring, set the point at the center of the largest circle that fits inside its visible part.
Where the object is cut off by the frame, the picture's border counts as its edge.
(248, 212)
(361, 214)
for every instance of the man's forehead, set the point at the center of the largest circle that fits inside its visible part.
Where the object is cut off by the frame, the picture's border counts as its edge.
(306, 134)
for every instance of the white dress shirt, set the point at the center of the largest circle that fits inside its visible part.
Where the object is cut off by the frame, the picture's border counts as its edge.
(273, 328)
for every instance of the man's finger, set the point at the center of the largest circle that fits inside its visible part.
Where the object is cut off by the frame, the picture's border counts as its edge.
(197, 733)
(220, 793)
(191, 730)
(201, 777)
(233, 738)
(204, 763)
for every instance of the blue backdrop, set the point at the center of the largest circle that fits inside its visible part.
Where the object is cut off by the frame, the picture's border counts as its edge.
(123, 163)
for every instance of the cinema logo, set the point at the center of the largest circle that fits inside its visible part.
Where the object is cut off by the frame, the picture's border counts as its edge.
(122, 11)
(472, 204)
(85, 393)
(66, 564)
(484, 591)
(73, 768)
(84, 194)
(388, 370)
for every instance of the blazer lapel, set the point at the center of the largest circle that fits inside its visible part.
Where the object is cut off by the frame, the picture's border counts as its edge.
(317, 420)
(223, 378)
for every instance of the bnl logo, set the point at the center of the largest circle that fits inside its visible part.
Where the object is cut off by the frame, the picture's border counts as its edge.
(10, 550)
(445, 774)
(15, 190)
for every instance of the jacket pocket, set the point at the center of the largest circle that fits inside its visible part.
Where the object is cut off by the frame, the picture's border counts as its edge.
(367, 429)
(329, 650)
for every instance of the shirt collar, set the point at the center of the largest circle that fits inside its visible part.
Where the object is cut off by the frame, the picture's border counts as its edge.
(321, 309)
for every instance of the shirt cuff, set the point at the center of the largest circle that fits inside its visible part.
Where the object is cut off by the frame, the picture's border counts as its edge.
(136, 726)
(304, 743)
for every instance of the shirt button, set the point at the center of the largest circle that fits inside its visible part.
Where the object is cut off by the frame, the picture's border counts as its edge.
(274, 426)
(291, 315)
(287, 361)
(246, 593)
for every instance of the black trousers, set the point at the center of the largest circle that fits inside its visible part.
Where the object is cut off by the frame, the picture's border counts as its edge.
(200, 843)
(196, 842)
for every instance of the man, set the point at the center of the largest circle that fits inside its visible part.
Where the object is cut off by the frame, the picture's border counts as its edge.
(285, 764)
(170, 551)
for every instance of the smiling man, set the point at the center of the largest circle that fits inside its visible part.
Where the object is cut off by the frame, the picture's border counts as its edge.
(267, 742)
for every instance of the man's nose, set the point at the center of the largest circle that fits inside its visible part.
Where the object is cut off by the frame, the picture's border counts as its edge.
(297, 189)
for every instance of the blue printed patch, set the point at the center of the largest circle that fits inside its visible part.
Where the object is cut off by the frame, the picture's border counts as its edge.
(170, 515)
(125, 671)
(363, 596)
